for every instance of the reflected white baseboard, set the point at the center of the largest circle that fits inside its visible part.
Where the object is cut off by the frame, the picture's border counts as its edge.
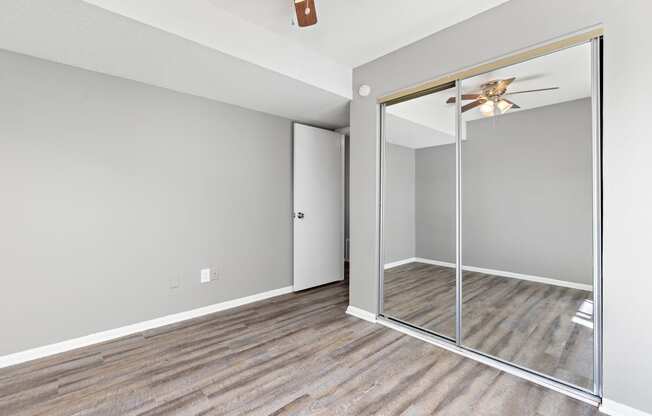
(400, 262)
(435, 262)
(612, 408)
(361, 313)
(531, 278)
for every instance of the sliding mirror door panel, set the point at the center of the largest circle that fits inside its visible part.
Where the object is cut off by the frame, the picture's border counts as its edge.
(527, 215)
(419, 211)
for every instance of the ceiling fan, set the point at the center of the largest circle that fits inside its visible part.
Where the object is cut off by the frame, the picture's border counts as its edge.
(492, 96)
(306, 12)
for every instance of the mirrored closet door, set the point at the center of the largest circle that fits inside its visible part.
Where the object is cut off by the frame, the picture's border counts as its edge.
(491, 214)
(419, 212)
(527, 215)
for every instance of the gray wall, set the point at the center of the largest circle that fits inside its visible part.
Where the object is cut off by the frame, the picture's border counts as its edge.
(526, 190)
(113, 190)
(399, 203)
(626, 146)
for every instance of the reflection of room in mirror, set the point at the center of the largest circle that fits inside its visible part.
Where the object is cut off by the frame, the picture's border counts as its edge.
(421, 122)
(411, 128)
(552, 79)
(526, 214)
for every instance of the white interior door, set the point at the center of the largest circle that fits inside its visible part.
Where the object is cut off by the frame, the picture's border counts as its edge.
(318, 206)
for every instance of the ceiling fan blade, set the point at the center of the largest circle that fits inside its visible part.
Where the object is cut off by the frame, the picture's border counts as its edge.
(514, 105)
(306, 12)
(537, 90)
(504, 83)
(464, 97)
(474, 104)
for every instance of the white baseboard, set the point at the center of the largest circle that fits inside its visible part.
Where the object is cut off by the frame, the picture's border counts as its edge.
(435, 262)
(361, 313)
(538, 279)
(612, 408)
(400, 262)
(512, 275)
(40, 352)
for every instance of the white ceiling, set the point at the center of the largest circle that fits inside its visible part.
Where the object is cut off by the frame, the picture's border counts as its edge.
(430, 111)
(353, 32)
(349, 33)
(76, 33)
(569, 69)
(205, 23)
(242, 52)
(403, 132)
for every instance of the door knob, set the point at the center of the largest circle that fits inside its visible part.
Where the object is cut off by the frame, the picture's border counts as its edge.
(300, 215)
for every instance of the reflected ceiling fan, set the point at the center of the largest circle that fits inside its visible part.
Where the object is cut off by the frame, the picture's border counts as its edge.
(306, 12)
(492, 96)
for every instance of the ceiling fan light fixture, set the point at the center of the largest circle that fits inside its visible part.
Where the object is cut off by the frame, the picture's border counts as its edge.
(491, 95)
(487, 109)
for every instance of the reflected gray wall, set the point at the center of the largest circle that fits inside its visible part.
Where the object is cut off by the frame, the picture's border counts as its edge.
(527, 192)
(527, 181)
(113, 191)
(399, 203)
(435, 203)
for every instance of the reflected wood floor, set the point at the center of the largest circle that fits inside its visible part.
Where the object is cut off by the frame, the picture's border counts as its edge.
(298, 354)
(535, 325)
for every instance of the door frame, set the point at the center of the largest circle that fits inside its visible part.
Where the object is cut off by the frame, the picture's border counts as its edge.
(595, 38)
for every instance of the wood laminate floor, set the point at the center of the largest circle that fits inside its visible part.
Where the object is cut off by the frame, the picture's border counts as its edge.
(297, 354)
(542, 327)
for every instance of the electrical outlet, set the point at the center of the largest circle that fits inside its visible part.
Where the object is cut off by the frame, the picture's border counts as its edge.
(205, 275)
